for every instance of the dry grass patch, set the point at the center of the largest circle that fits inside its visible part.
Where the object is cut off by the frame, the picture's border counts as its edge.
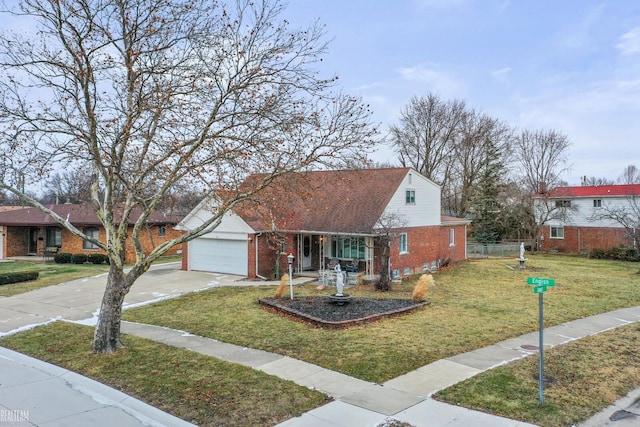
(475, 304)
(590, 374)
(197, 388)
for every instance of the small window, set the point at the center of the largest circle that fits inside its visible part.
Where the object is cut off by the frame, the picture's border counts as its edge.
(563, 203)
(597, 203)
(452, 237)
(54, 237)
(92, 233)
(162, 231)
(395, 274)
(407, 271)
(411, 197)
(403, 243)
(557, 232)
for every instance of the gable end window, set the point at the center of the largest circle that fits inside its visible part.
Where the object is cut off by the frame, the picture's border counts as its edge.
(93, 233)
(557, 232)
(597, 203)
(411, 197)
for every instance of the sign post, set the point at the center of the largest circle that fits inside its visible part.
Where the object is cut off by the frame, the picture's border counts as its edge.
(540, 285)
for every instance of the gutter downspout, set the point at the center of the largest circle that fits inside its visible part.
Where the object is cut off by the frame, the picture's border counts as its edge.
(258, 275)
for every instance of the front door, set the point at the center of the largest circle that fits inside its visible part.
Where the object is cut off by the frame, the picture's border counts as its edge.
(32, 248)
(306, 252)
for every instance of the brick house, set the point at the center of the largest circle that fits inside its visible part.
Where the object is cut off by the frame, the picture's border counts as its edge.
(29, 232)
(579, 219)
(321, 216)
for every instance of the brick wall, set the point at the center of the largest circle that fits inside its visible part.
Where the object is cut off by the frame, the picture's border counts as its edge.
(426, 245)
(580, 239)
(17, 241)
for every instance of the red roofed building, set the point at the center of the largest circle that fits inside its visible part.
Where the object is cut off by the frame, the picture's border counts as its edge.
(582, 218)
(29, 232)
(324, 216)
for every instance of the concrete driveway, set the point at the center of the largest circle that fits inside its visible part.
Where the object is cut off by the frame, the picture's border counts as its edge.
(79, 300)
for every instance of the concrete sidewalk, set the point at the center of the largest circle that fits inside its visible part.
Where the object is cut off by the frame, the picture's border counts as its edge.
(80, 401)
(405, 398)
(35, 393)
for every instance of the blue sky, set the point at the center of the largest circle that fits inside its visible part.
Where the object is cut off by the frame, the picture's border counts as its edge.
(568, 65)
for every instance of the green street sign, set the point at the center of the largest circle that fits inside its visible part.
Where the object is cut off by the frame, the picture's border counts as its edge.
(539, 288)
(540, 281)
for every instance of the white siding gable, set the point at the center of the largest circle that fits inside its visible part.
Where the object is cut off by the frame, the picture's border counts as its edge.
(582, 212)
(231, 223)
(426, 209)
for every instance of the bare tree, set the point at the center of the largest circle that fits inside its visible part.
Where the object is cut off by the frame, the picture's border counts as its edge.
(631, 175)
(145, 93)
(483, 142)
(593, 181)
(425, 137)
(385, 233)
(71, 186)
(626, 215)
(541, 158)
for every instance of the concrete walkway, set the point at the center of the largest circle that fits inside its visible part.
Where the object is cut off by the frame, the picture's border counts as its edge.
(357, 402)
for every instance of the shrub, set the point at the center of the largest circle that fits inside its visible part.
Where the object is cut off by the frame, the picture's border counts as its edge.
(620, 253)
(62, 258)
(97, 258)
(78, 258)
(283, 284)
(17, 277)
(420, 290)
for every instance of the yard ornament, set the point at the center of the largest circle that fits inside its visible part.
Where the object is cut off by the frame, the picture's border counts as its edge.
(339, 280)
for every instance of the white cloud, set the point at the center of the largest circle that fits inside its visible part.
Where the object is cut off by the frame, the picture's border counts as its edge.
(501, 71)
(435, 80)
(630, 42)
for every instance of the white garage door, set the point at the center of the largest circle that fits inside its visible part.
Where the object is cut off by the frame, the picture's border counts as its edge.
(218, 255)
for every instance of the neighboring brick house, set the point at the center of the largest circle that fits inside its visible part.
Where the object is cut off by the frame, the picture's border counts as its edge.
(580, 218)
(29, 231)
(320, 216)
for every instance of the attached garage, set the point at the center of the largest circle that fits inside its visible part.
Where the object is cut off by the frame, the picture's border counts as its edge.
(220, 254)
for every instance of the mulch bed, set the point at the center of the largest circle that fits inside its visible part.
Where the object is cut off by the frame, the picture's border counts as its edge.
(319, 311)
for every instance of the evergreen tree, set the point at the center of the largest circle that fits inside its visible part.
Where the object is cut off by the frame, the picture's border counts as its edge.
(486, 207)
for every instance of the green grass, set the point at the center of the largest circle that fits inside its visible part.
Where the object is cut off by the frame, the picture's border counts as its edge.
(590, 374)
(474, 304)
(53, 274)
(197, 388)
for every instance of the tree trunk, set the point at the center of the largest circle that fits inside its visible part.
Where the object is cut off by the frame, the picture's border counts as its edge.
(385, 283)
(106, 338)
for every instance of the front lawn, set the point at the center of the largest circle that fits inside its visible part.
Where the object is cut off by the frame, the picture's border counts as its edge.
(588, 375)
(197, 388)
(50, 274)
(473, 305)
